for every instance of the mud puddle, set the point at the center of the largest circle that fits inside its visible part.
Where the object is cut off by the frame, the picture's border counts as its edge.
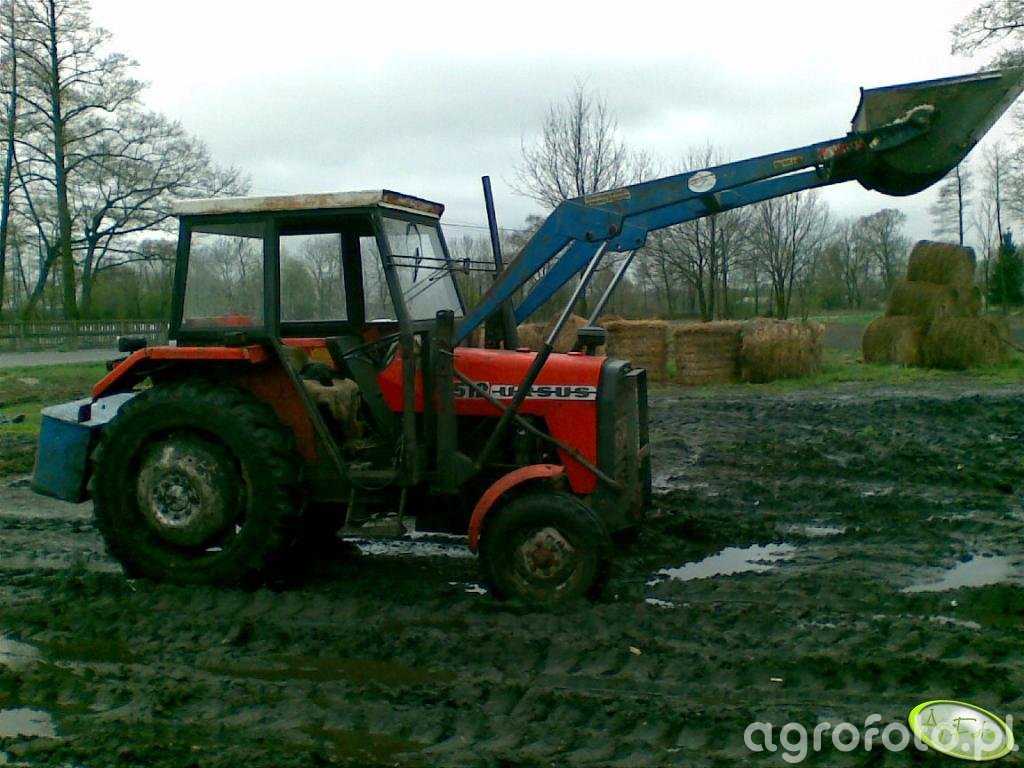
(814, 531)
(979, 571)
(731, 560)
(25, 722)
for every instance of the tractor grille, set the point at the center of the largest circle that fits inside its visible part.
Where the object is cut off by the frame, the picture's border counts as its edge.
(624, 451)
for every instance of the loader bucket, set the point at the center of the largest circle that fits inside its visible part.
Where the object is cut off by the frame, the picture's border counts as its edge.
(964, 109)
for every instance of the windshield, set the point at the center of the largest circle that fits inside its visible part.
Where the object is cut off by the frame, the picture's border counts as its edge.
(422, 266)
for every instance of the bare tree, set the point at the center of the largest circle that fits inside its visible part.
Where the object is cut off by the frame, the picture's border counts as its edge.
(992, 22)
(93, 170)
(949, 210)
(472, 261)
(70, 86)
(10, 119)
(998, 187)
(698, 253)
(881, 235)
(851, 262)
(577, 153)
(125, 185)
(786, 234)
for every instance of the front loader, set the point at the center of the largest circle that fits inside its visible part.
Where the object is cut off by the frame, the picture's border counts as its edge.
(318, 379)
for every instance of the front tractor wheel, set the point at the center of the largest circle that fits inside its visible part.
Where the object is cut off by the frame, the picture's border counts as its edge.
(545, 549)
(196, 483)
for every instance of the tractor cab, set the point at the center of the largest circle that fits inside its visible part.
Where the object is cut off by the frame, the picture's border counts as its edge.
(357, 264)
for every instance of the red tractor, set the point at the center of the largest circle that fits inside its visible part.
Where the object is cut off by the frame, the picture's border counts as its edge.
(317, 379)
(278, 414)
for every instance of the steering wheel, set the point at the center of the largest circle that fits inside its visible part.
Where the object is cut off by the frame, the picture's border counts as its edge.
(375, 352)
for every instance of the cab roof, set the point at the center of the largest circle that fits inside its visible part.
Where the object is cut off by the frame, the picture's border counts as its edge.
(383, 198)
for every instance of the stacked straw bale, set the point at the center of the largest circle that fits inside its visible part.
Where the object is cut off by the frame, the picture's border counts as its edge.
(932, 316)
(775, 349)
(644, 343)
(708, 353)
(566, 339)
(531, 336)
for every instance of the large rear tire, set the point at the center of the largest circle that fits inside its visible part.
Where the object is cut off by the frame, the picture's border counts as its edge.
(196, 483)
(544, 549)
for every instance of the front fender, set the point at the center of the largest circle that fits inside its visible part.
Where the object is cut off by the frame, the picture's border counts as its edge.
(503, 485)
(66, 438)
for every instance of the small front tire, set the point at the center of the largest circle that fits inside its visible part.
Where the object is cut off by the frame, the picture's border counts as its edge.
(545, 549)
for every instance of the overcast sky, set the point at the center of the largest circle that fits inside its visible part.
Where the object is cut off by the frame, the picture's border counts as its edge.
(313, 95)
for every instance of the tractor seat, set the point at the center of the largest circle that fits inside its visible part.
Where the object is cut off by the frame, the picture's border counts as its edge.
(349, 360)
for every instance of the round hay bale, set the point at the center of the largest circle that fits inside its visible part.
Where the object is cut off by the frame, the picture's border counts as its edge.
(708, 353)
(942, 264)
(776, 349)
(644, 343)
(932, 300)
(894, 340)
(566, 339)
(966, 342)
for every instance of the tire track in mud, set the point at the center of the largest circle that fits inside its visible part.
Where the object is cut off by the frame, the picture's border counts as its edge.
(389, 660)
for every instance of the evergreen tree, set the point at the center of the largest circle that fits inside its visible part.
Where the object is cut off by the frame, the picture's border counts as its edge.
(1007, 280)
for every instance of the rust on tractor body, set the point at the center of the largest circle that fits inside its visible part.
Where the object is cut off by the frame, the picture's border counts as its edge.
(384, 198)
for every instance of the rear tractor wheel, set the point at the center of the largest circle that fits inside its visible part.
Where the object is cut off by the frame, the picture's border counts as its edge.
(196, 483)
(545, 549)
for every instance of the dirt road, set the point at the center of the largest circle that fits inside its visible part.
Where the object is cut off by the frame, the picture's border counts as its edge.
(28, 359)
(885, 528)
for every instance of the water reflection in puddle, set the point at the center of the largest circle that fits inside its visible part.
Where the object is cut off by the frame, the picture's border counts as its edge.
(16, 655)
(26, 722)
(818, 531)
(759, 557)
(976, 572)
(420, 547)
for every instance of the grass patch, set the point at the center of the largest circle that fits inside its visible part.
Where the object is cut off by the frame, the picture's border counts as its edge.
(847, 317)
(24, 392)
(843, 368)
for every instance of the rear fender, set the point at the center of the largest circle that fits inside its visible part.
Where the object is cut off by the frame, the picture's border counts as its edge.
(501, 487)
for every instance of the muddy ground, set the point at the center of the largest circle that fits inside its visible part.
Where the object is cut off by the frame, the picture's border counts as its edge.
(886, 526)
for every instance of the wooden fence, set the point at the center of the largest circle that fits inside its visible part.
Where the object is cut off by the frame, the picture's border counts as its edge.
(85, 334)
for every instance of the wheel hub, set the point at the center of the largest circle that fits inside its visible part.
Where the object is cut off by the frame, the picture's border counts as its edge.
(188, 490)
(546, 555)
